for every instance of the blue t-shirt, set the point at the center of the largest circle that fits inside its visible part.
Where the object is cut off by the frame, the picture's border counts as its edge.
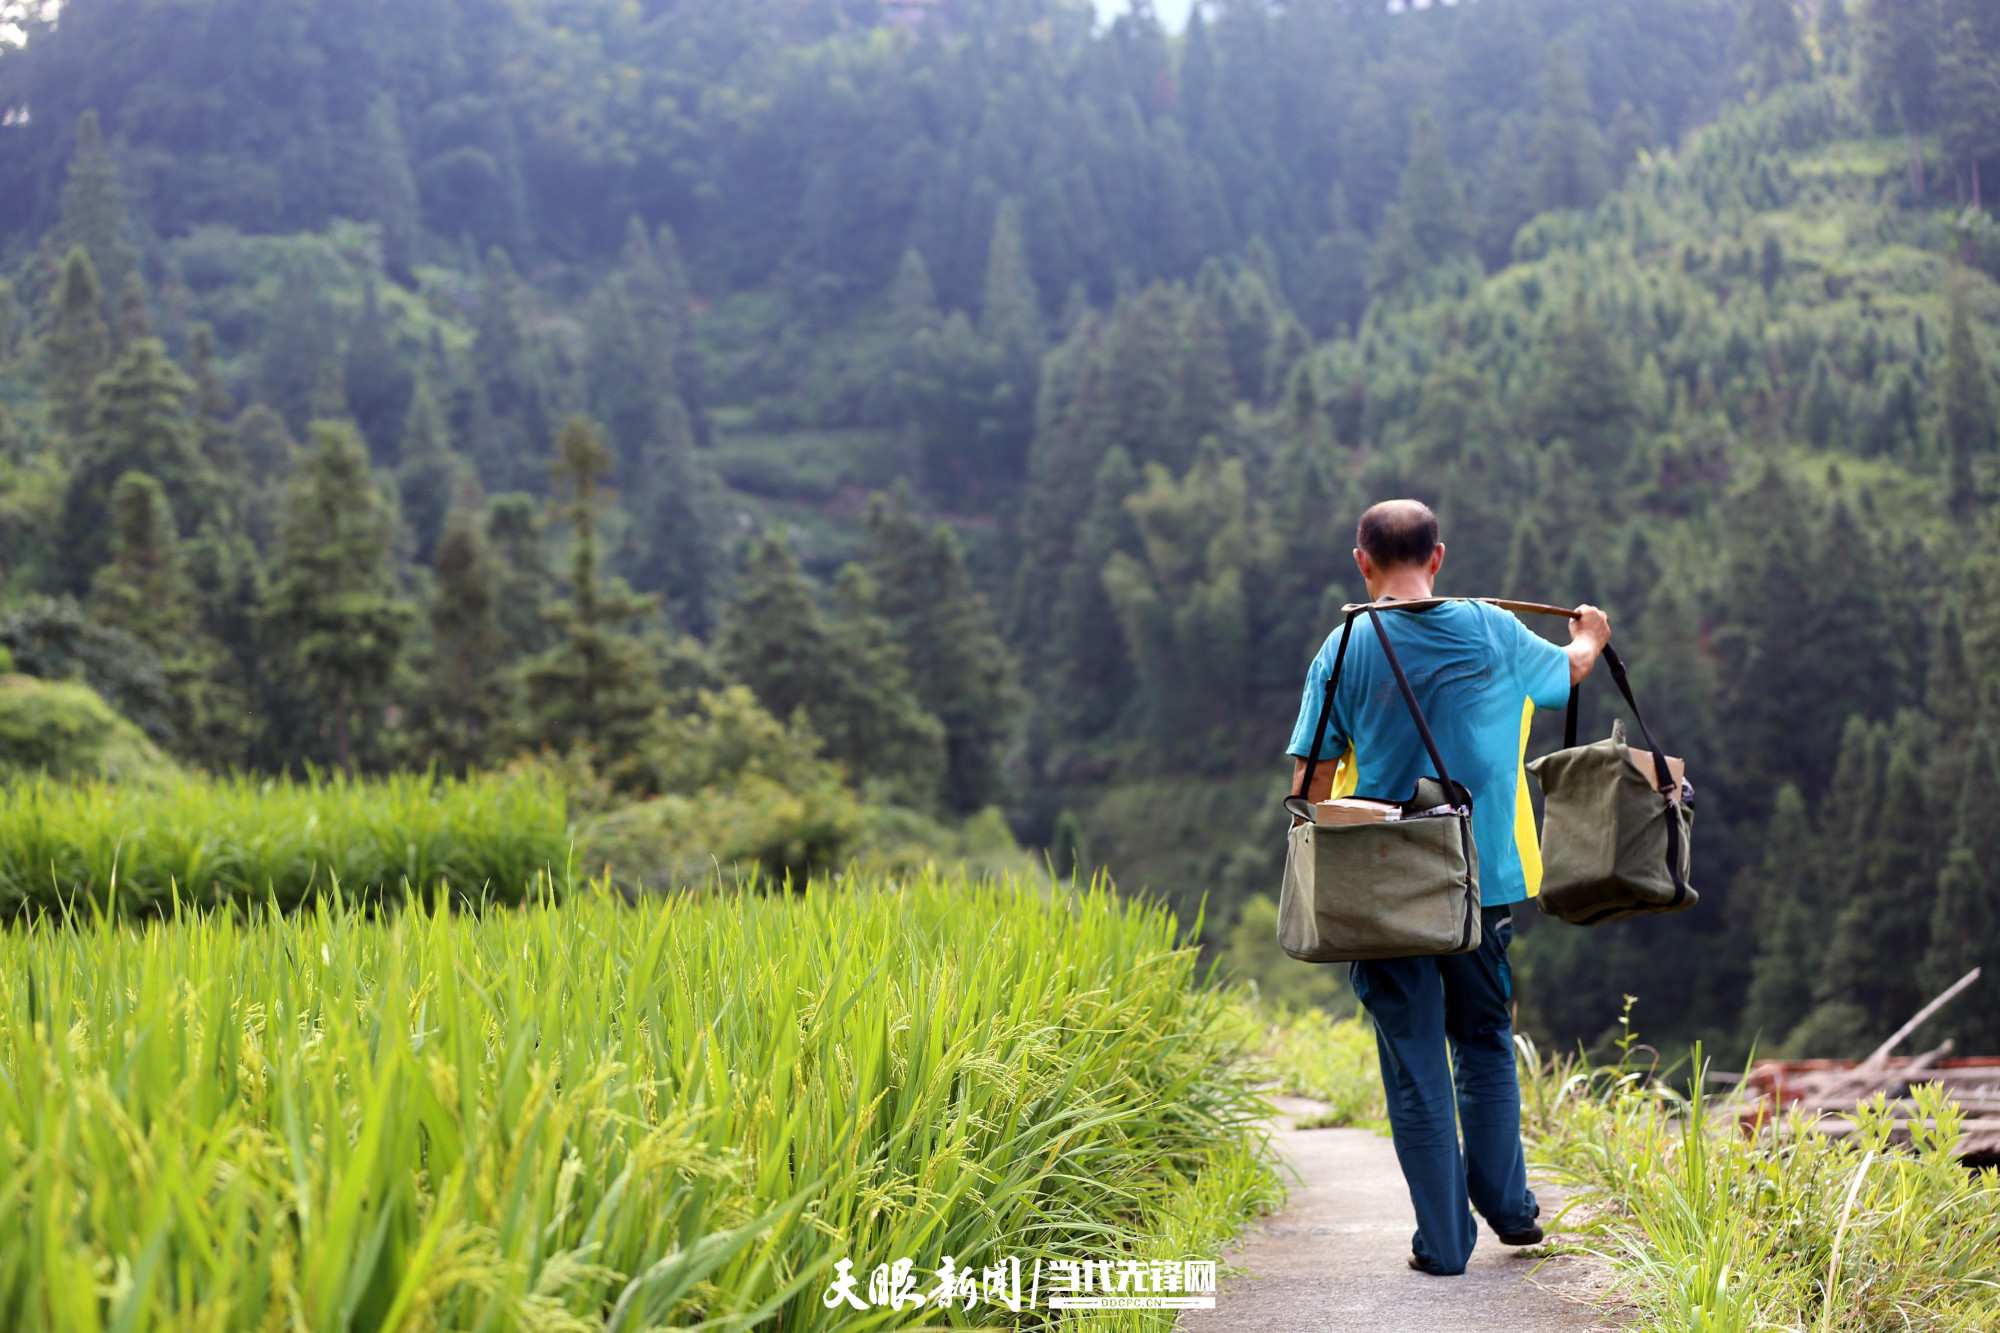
(1479, 674)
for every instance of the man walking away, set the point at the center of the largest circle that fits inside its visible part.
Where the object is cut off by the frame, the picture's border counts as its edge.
(1479, 674)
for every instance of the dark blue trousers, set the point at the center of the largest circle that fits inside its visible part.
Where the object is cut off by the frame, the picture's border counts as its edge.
(1419, 1005)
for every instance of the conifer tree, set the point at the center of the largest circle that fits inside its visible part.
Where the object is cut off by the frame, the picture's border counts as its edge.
(1639, 574)
(1429, 195)
(1965, 925)
(377, 382)
(1899, 59)
(267, 459)
(224, 693)
(93, 208)
(625, 385)
(1180, 602)
(1337, 289)
(1950, 693)
(1792, 912)
(1849, 817)
(1886, 923)
(968, 414)
(1585, 393)
(1579, 580)
(213, 407)
(465, 695)
(959, 670)
(134, 314)
(913, 307)
(1197, 73)
(514, 527)
(1428, 224)
(1530, 577)
(631, 391)
(657, 287)
(1508, 202)
(1087, 674)
(1822, 409)
(1568, 150)
(1010, 313)
(1205, 391)
(79, 346)
(674, 549)
(1768, 36)
(1809, 635)
(329, 394)
(332, 606)
(1067, 858)
(1628, 136)
(139, 423)
(850, 683)
(296, 348)
(511, 421)
(1836, 35)
(10, 321)
(379, 185)
(1968, 91)
(429, 475)
(598, 686)
(143, 589)
(1966, 408)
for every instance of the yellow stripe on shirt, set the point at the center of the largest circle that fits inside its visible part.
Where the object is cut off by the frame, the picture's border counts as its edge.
(1346, 776)
(1525, 841)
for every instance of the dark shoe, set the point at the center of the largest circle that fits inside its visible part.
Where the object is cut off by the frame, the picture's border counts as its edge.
(1430, 1271)
(1530, 1235)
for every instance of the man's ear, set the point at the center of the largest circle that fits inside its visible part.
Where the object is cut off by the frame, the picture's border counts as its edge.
(1437, 559)
(1364, 564)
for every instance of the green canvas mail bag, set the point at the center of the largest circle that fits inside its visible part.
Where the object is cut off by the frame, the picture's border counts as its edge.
(1396, 889)
(1614, 845)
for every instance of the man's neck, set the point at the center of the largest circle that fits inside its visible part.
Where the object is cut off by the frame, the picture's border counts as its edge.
(1412, 584)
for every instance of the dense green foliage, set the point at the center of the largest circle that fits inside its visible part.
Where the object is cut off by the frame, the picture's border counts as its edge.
(64, 730)
(602, 324)
(596, 1115)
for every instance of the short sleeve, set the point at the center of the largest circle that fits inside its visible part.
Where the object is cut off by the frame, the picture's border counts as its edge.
(1335, 743)
(1543, 668)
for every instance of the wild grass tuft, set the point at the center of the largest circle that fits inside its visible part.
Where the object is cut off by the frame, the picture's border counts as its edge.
(1716, 1228)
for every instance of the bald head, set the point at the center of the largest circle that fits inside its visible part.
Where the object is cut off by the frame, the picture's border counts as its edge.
(1398, 533)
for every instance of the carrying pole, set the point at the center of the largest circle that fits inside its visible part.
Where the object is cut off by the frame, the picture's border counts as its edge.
(1426, 603)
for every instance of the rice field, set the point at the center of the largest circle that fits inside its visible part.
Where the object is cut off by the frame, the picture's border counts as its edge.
(587, 1115)
(137, 850)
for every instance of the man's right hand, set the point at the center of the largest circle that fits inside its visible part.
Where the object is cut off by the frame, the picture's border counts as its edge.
(1589, 632)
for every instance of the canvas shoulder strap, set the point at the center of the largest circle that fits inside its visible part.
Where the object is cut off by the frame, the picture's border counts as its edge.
(1297, 803)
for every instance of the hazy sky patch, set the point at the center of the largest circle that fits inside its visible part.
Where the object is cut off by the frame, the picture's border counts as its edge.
(1173, 13)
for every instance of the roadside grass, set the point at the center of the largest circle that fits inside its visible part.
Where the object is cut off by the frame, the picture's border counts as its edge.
(597, 1115)
(1716, 1228)
(1310, 1053)
(134, 850)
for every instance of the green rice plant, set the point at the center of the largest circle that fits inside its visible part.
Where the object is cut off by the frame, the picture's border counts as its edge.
(211, 842)
(592, 1115)
(1715, 1226)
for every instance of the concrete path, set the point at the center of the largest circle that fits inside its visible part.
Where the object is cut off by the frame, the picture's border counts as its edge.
(1335, 1260)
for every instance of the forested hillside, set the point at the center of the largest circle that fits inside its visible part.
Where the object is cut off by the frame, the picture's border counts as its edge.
(959, 406)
